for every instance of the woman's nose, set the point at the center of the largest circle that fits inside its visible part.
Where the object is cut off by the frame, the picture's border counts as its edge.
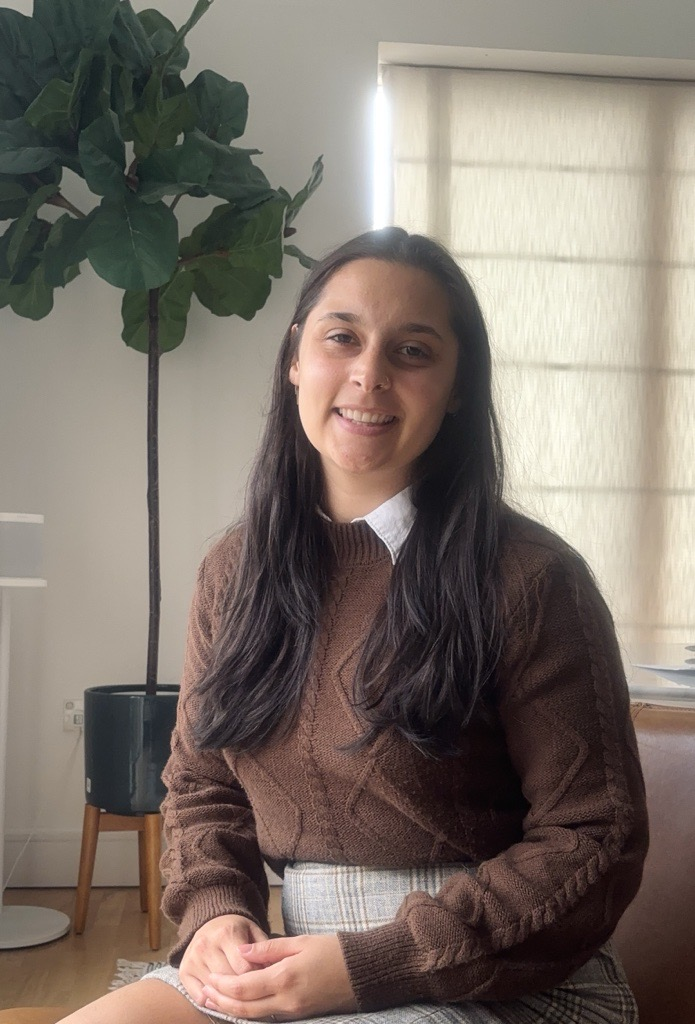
(370, 372)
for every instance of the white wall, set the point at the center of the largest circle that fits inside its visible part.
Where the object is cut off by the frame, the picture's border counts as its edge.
(72, 396)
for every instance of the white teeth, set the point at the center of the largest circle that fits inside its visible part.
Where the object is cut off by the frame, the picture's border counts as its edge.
(365, 417)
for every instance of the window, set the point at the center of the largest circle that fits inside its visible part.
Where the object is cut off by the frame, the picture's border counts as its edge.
(570, 203)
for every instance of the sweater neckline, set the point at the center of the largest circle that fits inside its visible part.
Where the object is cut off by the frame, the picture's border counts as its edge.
(355, 543)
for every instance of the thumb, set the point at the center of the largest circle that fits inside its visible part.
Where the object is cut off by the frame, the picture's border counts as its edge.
(271, 951)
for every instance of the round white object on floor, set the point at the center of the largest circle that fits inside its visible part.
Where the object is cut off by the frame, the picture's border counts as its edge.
(30, 926)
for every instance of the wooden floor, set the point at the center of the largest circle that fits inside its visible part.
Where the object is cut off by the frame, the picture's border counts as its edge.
(78, 968)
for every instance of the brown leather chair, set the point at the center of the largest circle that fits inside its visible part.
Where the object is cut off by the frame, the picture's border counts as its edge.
(656, 936)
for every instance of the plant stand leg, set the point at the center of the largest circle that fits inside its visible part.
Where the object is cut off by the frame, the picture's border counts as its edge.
(88, 850)
(142, 869)
(153, 848)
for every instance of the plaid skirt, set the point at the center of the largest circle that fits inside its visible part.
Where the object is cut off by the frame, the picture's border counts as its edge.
(326, 898)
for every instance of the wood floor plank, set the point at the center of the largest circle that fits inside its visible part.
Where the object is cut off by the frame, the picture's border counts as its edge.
(76, 969)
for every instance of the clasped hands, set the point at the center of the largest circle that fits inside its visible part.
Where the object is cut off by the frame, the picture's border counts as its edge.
(232, 966)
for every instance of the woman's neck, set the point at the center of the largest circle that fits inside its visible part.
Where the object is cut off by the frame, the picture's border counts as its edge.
(353, 498)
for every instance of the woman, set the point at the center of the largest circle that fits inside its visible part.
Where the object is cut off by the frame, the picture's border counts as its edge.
(398, 693)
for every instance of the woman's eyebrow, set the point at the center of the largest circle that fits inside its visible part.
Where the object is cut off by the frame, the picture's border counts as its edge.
(349, 318)
(412, 327)
(416, 328)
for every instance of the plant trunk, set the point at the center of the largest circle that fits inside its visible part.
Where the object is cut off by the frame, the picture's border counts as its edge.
(153, 490)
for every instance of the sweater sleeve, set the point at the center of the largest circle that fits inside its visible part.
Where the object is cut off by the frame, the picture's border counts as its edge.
(212, 863)
(524, 920)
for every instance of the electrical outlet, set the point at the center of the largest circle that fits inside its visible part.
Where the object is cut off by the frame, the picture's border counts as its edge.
(73, 714)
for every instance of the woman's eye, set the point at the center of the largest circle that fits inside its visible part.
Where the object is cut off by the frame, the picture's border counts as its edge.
(415, 352)
(341, 338)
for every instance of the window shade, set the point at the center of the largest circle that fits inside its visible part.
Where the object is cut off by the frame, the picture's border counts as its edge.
(570, 203)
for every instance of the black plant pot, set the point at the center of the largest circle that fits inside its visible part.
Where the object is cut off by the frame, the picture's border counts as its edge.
(127, 738)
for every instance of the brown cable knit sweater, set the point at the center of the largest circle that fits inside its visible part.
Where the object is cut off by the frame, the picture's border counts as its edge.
(548, 795)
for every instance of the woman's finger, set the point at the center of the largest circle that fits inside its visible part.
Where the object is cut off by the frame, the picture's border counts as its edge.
(252, 996)
(197, 973)
(260, 1009)
(271, 951)
(192, 983)
(308, 978)
(215, 960)
(245, 988)
(238, 963)
(197, 968)
(230, 945)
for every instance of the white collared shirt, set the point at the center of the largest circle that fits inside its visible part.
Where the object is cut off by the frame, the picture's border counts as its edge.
(392, 520)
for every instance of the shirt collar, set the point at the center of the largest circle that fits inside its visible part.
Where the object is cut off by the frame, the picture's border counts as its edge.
(392, 520)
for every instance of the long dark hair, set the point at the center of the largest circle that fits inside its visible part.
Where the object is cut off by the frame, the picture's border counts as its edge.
(436, 642)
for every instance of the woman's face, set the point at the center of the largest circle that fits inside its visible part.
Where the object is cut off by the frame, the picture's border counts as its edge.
(375, 371)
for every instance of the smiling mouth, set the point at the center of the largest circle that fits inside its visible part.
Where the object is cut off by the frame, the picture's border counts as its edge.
(362, 416)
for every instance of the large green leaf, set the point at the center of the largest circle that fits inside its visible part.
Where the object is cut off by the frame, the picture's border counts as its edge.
(226, 290)
(102, 155)
(153, 21)
(65, 248)
(50, 175)
(18, 261)
(5, 239)
(160, 32)
(173, 85)
(27, 62)
(252, 240)
(162, 113)
(130, 42)
(143, 121)
(23, 149)
(220, 107)
(75, 25)
(157, 121)
(195, 244)
(33, 298)
(10, 108)
(315, 179)
(122, 98)
(172, 172)
(15, 190)
(91, 90)
(67, 154)
(13, 198)
(133, 245)
(6, 270)
(24, 222)
(50, 113)
(176, 117)
(223, 225)
(234, 176)
(63, 107)
(174, 304)
(70, 274)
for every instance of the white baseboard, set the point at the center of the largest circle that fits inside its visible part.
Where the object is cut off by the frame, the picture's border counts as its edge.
(51, 859)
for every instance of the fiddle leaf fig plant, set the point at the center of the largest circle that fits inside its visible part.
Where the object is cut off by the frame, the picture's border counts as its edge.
(92, 89)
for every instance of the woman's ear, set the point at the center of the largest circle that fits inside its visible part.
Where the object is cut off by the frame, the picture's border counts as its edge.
(294, 365)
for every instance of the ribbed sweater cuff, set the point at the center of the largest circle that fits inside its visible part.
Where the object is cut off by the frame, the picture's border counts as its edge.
(209, 903)
(385, 967)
